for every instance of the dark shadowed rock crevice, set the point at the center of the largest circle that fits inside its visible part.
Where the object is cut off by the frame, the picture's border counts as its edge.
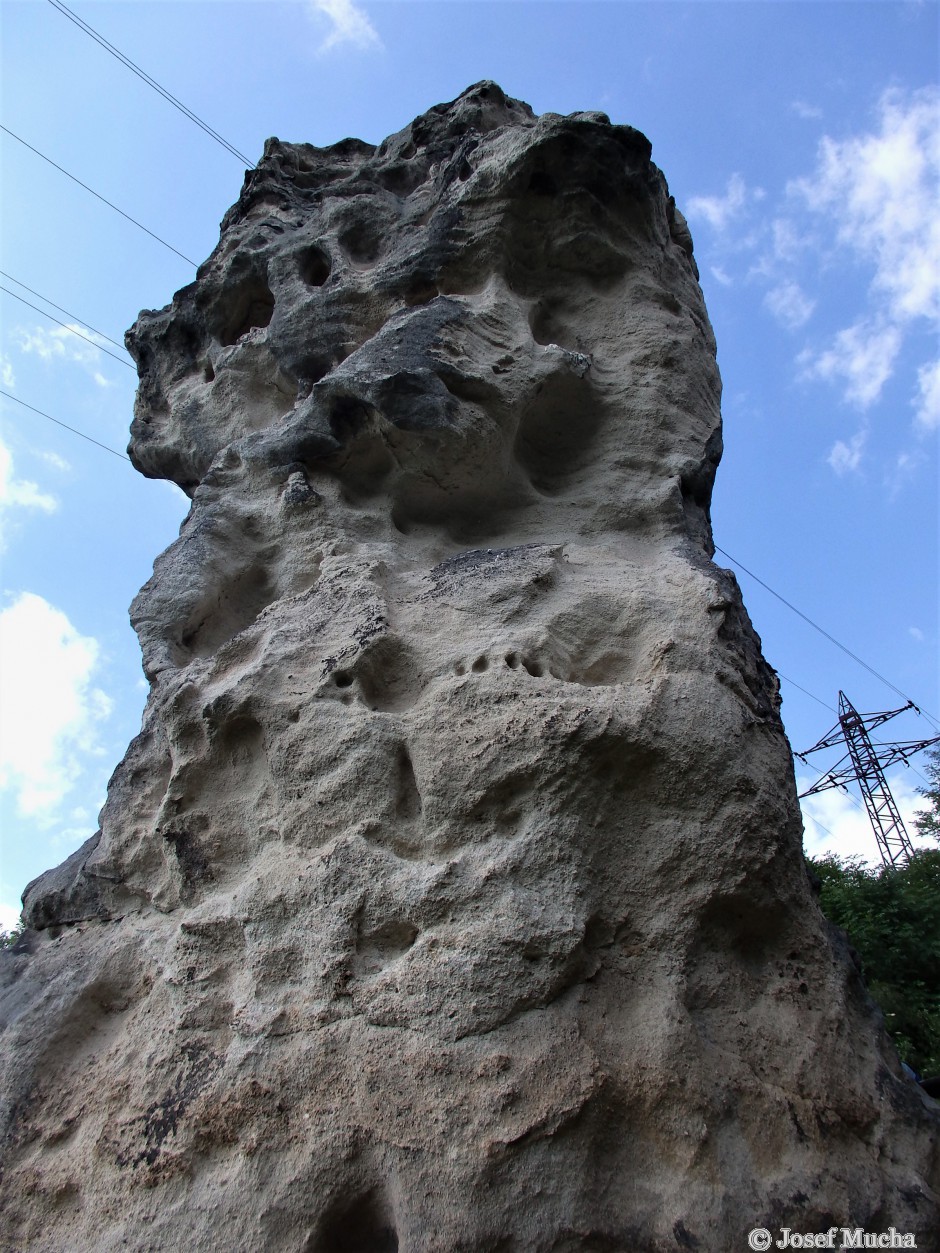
(451, 897)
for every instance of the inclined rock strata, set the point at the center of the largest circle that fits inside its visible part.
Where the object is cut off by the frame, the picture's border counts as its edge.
(451, 897)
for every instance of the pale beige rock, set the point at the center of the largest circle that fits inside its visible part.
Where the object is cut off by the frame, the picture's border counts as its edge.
(451, 897)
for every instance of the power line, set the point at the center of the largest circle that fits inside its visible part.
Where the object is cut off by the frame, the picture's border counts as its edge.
(188, 260)
(81, 434)
(151, 82)
(831, 638)
(831, 709)
(46, 300)
(72, 329)
(818, 699)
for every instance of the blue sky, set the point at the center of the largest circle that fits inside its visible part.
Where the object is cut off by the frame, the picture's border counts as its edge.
(801, 140)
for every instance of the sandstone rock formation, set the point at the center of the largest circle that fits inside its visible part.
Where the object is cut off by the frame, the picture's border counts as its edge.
(451, 897)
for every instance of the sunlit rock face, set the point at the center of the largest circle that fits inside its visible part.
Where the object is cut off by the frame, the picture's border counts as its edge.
(451, 897)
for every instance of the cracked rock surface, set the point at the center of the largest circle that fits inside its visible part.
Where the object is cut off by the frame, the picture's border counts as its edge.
(451, 897)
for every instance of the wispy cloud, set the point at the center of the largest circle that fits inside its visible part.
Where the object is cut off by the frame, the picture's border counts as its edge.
(54, 459)
(879, 191)
(348, 24)
(789, 304)
(845, 457)
(809, 112)
(867, 205)
(927, 400)
(6, 373)
(19, 493)
(60, 344)
(52, 711)
(720, 211)
(861, 356)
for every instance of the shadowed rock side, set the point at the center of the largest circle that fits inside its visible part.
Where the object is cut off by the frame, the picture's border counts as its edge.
(451, 897)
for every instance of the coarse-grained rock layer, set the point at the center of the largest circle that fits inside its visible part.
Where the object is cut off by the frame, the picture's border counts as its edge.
(451, 897)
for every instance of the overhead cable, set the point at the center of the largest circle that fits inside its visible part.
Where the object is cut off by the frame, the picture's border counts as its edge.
(818, 699)
(19, 140)
(46, 300)
(151, 82)
(81, 434)
(831, 638)
(72, 329)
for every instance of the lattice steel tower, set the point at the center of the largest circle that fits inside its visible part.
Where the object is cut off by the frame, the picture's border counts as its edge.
(866, 765)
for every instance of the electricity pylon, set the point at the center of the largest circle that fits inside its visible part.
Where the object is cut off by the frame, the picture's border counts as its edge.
(866, 765)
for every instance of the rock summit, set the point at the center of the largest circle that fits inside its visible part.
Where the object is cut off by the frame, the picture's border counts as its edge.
(451, 899)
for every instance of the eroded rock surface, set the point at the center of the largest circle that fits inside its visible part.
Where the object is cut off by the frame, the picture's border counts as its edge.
(451, 897)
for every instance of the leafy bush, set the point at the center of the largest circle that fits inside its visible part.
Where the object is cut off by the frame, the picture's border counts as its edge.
(9, 938)
(892, 916)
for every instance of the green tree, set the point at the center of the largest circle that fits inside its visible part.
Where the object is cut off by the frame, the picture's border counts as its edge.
(892, 916)
(9, 938)
(927, 821)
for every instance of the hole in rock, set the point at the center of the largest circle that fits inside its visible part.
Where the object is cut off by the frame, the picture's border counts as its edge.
(401, 523)
(208, 374)
(408, 803)
(389, 675)
(393, 939)
(534, 668)
(549, 328)
(247, 304)
(233, 607)
(400, 179)
(512, 660)
(420, 293)
(342, 678)
(480, 665)
(364, 1226)
(314, 266)
(361, 243)
(543, 184)
(557, 432)
(192, 861)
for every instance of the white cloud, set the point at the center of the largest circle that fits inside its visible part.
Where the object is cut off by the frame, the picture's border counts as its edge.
(348, 24)
(916, 633)
(928, 395)
(6, 373)
(51, 712)
(880, 192)
(19, 493)
(721, 211)
(54, 459)
(789, 304)
(883, 189)
(845, 457)
(788, 239)
(848, 830)
(862, 355)
(721, 276)
(806, 111)
(60, 344)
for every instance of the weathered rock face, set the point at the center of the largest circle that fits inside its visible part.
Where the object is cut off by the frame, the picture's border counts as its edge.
(451, 897)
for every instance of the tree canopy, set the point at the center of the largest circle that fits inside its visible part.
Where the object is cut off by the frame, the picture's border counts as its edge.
(892, 916)
(927, 820)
